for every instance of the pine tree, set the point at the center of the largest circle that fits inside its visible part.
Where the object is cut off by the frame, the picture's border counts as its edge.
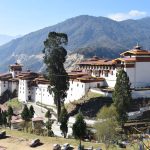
(25, 113)
(48, 114)
(64, 121)
(4, 118)
(54, 58)
(26, 116)
(31, 111)
(49, 122)
(79, 127)
(10, 113)
(122, 96)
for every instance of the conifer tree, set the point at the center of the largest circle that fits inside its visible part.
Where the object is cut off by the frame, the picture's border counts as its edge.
(48, 114)
(122, 96)
(10, 113)
(64, 121)
(25, 113)
(49, 122)
(26, 116)
(79, 127)
(4, 118)
(31, 111)
(54, 58)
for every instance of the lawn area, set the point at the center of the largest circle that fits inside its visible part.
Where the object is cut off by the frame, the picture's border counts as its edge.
(20, 141)
(14, 103)
(47, 141)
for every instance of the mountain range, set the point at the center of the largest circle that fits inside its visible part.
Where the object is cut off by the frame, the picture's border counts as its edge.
(88, 36)
(7, 38)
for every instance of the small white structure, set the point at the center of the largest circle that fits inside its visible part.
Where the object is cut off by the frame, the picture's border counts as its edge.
(8, 81)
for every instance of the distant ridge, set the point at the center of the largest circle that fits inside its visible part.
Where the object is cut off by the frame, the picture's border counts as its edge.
(88, 35)
(6, 38)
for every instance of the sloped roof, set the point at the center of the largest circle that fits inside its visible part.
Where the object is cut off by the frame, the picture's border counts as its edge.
(137, 50)
(126, 60)
(27, 75)
(97, 61)
(5, 76)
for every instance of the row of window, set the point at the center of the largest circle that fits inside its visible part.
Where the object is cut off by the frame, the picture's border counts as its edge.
(36, 93)
(98, 67)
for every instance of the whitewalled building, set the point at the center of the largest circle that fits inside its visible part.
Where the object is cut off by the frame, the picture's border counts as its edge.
(95, 74)
(136, 63)
(8, 81)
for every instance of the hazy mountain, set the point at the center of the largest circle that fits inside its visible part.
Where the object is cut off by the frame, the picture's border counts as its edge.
(87, 35)
(7, 38)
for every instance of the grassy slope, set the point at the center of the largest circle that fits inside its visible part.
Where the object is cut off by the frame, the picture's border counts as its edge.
(49, 141)
(89, 104)
(14, 103)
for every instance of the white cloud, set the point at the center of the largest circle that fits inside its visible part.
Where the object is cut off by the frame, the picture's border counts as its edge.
(133, 14)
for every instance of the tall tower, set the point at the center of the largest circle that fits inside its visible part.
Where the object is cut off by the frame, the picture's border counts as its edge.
(15, 69)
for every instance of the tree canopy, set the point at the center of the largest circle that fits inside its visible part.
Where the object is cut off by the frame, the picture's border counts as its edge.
(9, 114)
(79, 127)
(49, 123)
(31, 111)
(106, 124)
(54, 58)
(25, 113)
(48, 114)
(64, 121)
(122, 95)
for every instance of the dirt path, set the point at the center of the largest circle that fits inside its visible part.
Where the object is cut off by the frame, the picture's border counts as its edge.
(13, 143)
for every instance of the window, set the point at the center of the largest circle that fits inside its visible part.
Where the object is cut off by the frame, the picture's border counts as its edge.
(77, 84)
(82, 85)
(98, 85)
(111, 72)
(106, 74)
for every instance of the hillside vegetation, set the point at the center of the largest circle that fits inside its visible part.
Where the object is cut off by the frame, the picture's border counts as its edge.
(89, 105)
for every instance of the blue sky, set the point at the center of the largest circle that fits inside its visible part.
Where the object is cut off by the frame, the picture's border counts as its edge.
(20, 17)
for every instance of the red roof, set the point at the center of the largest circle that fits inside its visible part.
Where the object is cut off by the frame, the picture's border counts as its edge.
(37, 119)
(137, 50)
(130, 59)
(97, 61)
(16, 119)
